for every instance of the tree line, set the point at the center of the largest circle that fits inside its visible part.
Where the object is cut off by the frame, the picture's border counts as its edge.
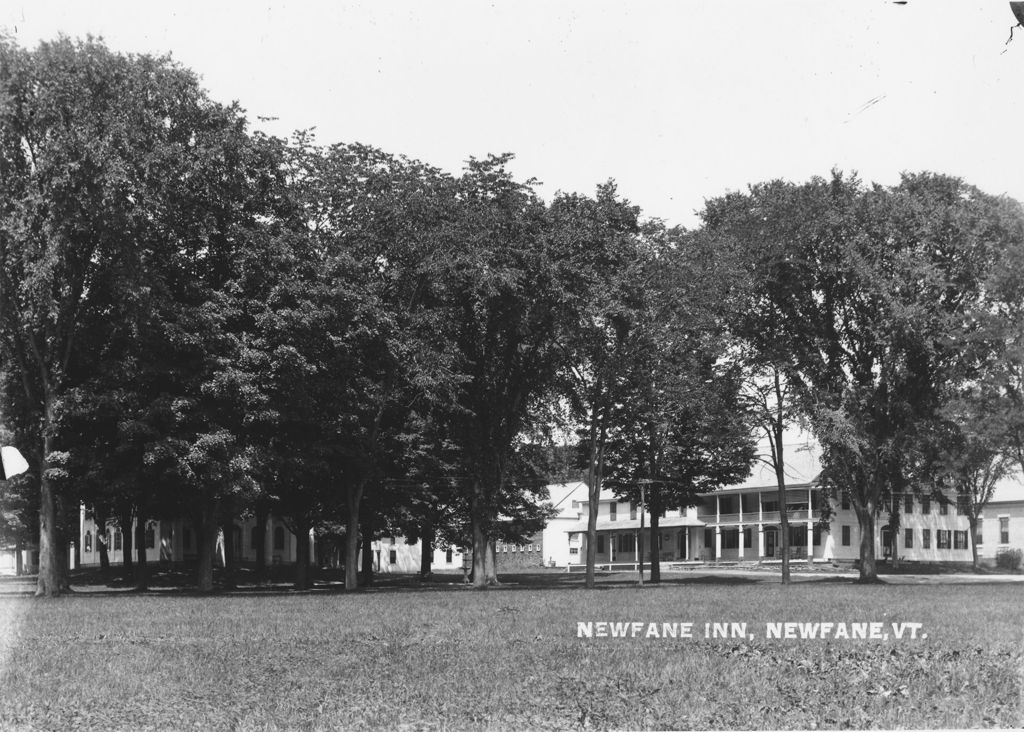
(202, 321)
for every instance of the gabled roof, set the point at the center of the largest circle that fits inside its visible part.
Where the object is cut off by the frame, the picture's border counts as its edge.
(800, 457)
(1010, 489)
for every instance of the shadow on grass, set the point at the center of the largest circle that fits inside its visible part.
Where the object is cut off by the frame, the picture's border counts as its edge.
(178, 581)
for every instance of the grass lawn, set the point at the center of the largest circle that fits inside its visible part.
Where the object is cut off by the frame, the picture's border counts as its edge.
(440, 656)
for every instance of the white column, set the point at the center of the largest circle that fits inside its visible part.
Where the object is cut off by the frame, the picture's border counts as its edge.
(611, 547)
(718, 543)
(741, 533)
(810, 539)
(760, 541)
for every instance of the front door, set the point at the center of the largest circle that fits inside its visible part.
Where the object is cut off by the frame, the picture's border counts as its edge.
(770, 536)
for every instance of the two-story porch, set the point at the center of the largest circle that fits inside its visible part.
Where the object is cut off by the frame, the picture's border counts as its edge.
(679, 539)
(746, 525)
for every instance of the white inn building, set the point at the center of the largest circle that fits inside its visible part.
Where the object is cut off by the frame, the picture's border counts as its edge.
(741, 523)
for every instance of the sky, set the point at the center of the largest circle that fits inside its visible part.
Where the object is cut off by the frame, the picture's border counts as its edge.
(676, 101)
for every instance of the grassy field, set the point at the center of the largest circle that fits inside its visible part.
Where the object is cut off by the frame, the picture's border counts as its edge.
(439, 656)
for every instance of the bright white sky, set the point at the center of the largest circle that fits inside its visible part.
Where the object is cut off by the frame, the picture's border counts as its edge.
(676, 101)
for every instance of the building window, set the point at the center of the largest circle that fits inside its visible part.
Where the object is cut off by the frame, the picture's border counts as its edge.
(254, 538)
(278, 538)
(448, 555)
(908, 538)
(1004, 529)
(846, 536)
(730, 538)
(846, 501)
(626, 543)
(959, 539)
(88, 541)
(612, 509)
(600, 544)
(817, 536)
(632, 511)
(574, 550)
(926, 537)
(150, 537)
(117, 540)
(942, 538)
(978, 540)
(575, 504)
(943, 507)
(908, 503)
(393, 556)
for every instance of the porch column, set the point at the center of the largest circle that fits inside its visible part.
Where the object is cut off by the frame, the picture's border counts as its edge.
(741, 536)
(810, 539)
(686, 543)
(611, 547)
(718, 543)
(760, 541)
(810, 509)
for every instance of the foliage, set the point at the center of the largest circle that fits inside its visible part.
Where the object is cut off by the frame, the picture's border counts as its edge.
(869, 299)
(1010, 559)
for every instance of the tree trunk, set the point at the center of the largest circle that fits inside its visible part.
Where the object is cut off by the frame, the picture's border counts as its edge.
(262, 512)
(302, 554)
(49, 580)
(366, 575)
(426, 550)
(206, 543)
(127, 536)
(102, 536)
(655, 549)
(142, 569)
(227, 529)
(483, 569)
(866, 519)
(780, 480)
(64, 532)
(594, 497)
(353, 501)
(972, 522)
(491, 562)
